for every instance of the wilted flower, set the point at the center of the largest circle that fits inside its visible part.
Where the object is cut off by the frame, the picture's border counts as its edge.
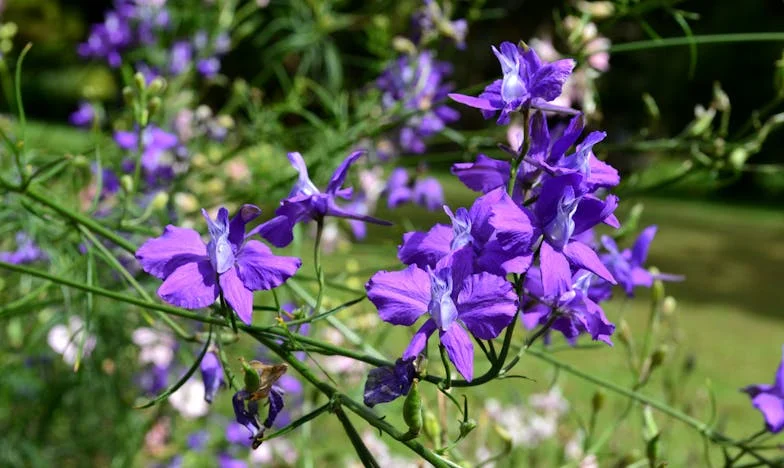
(385, 384)
(211, 375)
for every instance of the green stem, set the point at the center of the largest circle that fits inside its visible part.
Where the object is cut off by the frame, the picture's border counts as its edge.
(80, 218)
(696, 40)
(447, 369)
(363, 452)
(699, 426)
(317, 265)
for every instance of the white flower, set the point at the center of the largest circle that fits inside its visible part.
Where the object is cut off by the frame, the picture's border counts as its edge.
(189, 399)
(156, 347)
(66, 339)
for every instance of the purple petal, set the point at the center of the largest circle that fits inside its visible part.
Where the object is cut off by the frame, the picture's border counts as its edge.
(423, 249)
(126, 140)
(556, 274)
(279, 231)
(569, 137)
(260, 269)
(772, 408)
(592, 211)
(549, 80)
(245, 214)
(340, 173)
(486, 305)
(483, 175)
(460, 350)
(419, 340)
(211, 375)
(475, 102)
(513, 226)
(176, 246)
(641, 246)
(583, 256)
(191, 286)
(334, 210)
(401, 297)
(237, 295)
(275, 405)
(385, 384)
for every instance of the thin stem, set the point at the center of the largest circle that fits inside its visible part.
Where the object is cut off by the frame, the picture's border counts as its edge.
(447, 369)
(696, 40)
(317, 265)
(530, 341)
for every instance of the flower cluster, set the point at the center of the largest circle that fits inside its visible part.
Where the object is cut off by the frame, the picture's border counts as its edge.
(524, 248)
(130, 22)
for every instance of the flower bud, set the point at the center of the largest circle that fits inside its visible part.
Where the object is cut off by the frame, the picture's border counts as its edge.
(657, 289)
(126, 182)
(138, 79)
(597, 402)
(144, 117)
(160, 201)
(720, 99)
(624, 333)
(154, 105)
(128, 95)
(431, 427)
(412, 409)
(659, 355)
(598, 10)
(403, 45)
(738, 158)
(466, 427)
(157, 85)
(668, 306)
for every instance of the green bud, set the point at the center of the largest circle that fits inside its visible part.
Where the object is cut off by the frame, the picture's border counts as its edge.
(738, 158)
(250, 377)
(466, 427)
(598, 10)
(144, 117)
(160, 201)
(126, 182)
(80, 161)
(668, 306)
(703, 118)
(657, 290)
(157, 85)
(8, 30)
(139, 80)
(403, 45)
(412, 409)
(659, 355)
(625, 333)
(153, 105)
(431, 427)
(128, 95)
(651, 107)
(597, 402)
(720, 99)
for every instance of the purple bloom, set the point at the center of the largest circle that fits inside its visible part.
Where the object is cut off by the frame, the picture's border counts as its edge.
(426, 192)
(306, 202)
(208, 67)
(415, 83)
(26, 251)
(769, 400)
(561, 211)
(483, 304)
(576, 309)
(471, 232)
(246, 410)
(627, 266)
(84, 116)
(227, 461)
(526, 82)
(198, 440)
(194, 273)
(181, 57)
(211, 375)
(154, 379)
(385, 384)
(156, 144)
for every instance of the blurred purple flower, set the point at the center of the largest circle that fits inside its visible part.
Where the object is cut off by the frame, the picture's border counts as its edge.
(195, 273)
(181, 57)
(211, 375)
(385, 384)
(26, 251)
(156, 143)
(84, 116)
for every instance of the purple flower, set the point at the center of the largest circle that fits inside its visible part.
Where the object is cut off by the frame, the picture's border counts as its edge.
(472, 232)
(769, 399)
(526, 82)
(26, 251)
(156, 144)
(426, 192)
(627, 266)
(246, 410)
(577, 311)
(84, 116)
(198, 440)
(456, 302)
(194, 273)
(208, 67)
(306, 202)
(415, 83)
(211, 375)
(181, 57)
(108, 40)
(385, 384)
(561, 211)
(227, 461)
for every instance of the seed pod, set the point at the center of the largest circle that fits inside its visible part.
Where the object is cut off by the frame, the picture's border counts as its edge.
(466, 427)
(597, 402)
(412, 409)
(659, 355)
